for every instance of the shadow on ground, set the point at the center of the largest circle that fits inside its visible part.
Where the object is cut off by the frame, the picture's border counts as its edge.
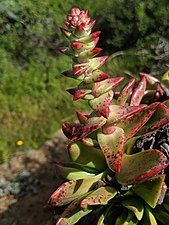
(29, 180)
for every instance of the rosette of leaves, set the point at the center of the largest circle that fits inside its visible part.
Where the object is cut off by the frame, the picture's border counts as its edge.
(118, 170)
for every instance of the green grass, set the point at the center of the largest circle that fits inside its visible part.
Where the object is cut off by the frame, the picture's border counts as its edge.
(34, 104)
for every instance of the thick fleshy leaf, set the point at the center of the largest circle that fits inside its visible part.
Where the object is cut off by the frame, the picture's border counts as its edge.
(125, 93)
(76, 131)
(78, 46)
(102, 104)
(141, 166)
(71, 190)
(106, 85)
(151, 79)
(138, 92)
(64, 50)
(73, 213)
(90, 142)
(80, 68)
(131, 219)
(65, 32)
(93, 123)
(89, 53)
(78, 93)
(149, 218)
(89, 156)
(96, 76)
(74, 171)
(90, 66)
(121, 219)
(72, 130)
(112, 146)
(150, 190)
(109, 214)
(161, 215)
(118, 112)
(158, 119)
(91, 37)
(136, 205)
(99, 197)
(132, 124)
(81, 117)
(96, 63)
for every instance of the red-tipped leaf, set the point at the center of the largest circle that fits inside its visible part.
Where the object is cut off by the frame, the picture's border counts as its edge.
(112, 146)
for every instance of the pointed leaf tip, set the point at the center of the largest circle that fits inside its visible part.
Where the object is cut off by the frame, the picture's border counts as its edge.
(138, 92)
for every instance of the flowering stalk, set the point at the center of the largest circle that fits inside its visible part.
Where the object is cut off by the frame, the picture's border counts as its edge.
(108, 168)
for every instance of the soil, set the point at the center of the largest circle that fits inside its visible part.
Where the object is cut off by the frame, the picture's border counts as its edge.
(28, 180)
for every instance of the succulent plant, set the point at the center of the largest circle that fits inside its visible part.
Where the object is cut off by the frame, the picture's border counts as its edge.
(118, 173)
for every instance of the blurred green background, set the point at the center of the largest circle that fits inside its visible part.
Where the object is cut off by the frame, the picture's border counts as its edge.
(33, 100)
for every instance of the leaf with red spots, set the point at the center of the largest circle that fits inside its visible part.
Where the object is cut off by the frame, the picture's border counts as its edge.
(96, 76)
(77, 131)
(79, 68)
(158, 119)
(102, 103)
(71, 190)
(106, 85)
(90, 53)
(141, 166)
(72, 130)
(96, 63)
(138, 92)
(78, 93)
(112, 146)
(133, 124)
(125, 93)
(118, 112)
(150, 190)
(73, 213)
(99, 197)
(81, 117)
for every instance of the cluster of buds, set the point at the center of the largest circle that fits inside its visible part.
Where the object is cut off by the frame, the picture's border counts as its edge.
(103, 141)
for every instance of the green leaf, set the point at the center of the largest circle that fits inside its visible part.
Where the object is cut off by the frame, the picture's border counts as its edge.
(73, 213)
(109, 215)
(131, 219)
(122, 217)
(135, 205)
(112, 146)
(129, 145)
(161, 215)
(89, 156)
(99, 197)
(149, 218)
(72, 171)
(71, 190)
(150, 190)
(141, 166)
